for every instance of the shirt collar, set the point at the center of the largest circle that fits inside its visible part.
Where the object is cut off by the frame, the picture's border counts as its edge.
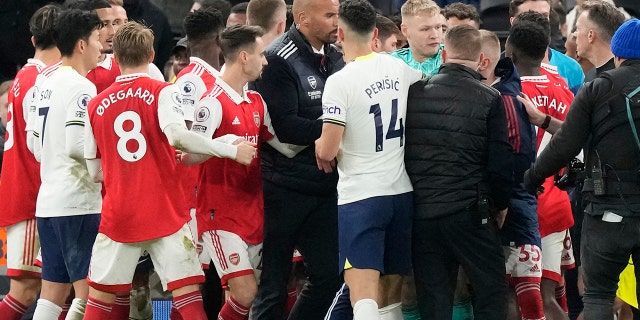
(108, 62)
(235, 97)
(206, 66)
(131, 77)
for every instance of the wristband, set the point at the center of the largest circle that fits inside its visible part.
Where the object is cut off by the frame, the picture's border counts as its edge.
(545, 123)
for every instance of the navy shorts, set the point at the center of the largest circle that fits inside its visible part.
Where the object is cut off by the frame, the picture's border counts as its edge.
(375, 233)
(66, 244)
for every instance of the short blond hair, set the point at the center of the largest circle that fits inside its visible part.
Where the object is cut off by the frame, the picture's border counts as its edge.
(415, 7)
(133, 45)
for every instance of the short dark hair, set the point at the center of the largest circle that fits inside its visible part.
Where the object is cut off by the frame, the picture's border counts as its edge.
(514, 6)
(461, 11)
(359, 15)
(263, 12)
(386, 27)
(203, 23)
(240, 8)
(237, 37)
(464, 42)
(605, 16)
(88, 5)
(223, 5)
(528, 39)
(42, 26)
(73, 25)
(536, 18)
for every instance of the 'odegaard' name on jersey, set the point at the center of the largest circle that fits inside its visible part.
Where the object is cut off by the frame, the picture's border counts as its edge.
(381, 85)
(114, 97)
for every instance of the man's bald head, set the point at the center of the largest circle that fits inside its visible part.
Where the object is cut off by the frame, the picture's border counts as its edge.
(317, 20)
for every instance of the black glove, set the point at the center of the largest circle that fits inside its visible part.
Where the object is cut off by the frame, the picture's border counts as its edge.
(531, 184)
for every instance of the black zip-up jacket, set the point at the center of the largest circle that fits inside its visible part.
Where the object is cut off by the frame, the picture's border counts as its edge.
(456, 143)
(292, 85)
(598, 122)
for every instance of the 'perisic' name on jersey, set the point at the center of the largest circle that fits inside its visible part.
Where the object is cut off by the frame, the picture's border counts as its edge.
(381, 85)
(139, 93)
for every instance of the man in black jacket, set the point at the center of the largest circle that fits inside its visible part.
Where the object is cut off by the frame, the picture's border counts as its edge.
(604, 119)
(459, 161)
(300, 201)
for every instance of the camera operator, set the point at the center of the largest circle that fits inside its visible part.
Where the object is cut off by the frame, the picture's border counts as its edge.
(603, 119)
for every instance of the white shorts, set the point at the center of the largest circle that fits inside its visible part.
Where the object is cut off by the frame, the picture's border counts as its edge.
(203, 255)
(23, 245)
(232, 256)
(557, 255)
(297, 257)
(523, 263)
(174, 259)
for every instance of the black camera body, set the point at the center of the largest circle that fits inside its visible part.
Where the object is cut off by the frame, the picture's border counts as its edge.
(572, 177)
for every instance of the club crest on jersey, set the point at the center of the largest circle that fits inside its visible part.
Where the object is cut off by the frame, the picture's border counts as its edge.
(256, 118)
(312, 82)
(234, 258)
(188, 89)
(83, 101)
(202, 114)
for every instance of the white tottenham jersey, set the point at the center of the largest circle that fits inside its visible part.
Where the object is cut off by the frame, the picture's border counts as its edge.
(369, 98)
(67, 189)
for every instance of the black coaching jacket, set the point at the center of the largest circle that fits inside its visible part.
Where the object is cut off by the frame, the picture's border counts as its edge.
(292, 85)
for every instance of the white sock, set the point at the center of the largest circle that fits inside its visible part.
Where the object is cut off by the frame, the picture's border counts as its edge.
(391, 312)
(47, 310)
(365, 309)
(76, 311)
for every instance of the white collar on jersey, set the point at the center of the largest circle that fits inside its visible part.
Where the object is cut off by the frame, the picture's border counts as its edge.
(206, 66)
(131, 77)
(235, 97)
(108, 61)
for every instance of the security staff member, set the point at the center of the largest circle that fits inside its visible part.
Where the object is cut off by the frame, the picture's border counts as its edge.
(604, 119)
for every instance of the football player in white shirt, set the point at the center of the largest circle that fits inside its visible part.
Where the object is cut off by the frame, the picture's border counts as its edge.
(364, 108)
(68, 205)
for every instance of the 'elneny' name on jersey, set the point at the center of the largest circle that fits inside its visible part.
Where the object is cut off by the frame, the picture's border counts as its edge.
(145, 96)
(381, 85)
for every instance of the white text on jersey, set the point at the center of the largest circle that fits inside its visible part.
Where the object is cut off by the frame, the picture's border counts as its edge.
(145, 95)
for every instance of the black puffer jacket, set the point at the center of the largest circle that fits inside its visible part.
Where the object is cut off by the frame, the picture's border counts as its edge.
(292, 85)
(456, 143)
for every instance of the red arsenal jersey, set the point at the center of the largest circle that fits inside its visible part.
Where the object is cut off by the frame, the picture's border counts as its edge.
(20, 170)
(193, 81)
(105, 73)
(230, 194)
(552, 96)
(144, 197)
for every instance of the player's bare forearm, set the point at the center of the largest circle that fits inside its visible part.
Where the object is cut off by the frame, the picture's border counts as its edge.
(328, 145)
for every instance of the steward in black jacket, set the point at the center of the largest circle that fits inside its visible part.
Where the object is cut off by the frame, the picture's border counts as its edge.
(457, 144)
(460, 164)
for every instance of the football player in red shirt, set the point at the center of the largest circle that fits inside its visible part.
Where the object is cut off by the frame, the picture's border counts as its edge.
(132, 126)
